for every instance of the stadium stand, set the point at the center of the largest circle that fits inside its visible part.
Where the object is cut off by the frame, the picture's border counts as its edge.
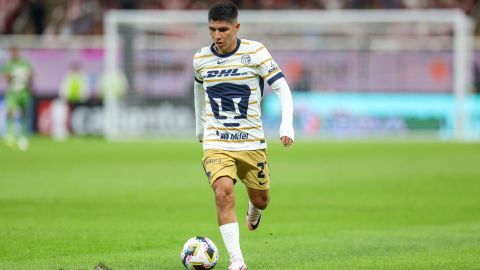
(85, 16)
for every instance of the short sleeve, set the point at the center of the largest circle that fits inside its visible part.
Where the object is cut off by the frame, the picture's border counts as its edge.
(196, 72)
(198, 76)
(268, 69)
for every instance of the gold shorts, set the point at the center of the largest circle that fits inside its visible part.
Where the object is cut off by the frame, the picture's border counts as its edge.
(250, 167)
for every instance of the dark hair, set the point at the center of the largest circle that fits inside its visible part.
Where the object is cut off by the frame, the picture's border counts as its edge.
(223, 11)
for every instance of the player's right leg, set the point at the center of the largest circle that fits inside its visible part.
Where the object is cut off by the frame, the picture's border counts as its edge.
(12, 108)
(225, 200)
(227, 220)
(221, 171)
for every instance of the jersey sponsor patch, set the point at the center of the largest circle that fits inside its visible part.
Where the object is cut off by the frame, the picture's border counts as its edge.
(232, 72)
(272, 68)
(232, 136)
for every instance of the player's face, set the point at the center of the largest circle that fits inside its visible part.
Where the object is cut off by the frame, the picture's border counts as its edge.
(224, 35)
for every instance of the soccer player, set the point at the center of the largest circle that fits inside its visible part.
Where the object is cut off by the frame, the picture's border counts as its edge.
(18, 73)
(228, 87)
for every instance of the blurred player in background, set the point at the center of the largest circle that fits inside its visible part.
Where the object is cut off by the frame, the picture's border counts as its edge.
(75, 86)
(229, 81)
(74, 89)
(18, 74)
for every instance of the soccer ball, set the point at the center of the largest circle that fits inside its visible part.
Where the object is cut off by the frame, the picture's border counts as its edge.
(199, 253)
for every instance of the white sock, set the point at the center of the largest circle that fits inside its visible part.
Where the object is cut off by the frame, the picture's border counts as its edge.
(231, 238)
(253, 212)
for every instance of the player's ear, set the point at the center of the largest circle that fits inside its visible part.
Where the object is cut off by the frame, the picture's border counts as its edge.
(237, 26)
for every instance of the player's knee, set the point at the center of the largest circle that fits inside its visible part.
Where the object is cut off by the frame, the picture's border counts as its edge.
(261, 202)
(224, 196)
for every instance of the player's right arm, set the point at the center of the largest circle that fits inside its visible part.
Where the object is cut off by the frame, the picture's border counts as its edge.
(199, 94)
(199, 97)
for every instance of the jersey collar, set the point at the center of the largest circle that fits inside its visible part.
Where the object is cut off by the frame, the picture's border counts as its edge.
(212, 48)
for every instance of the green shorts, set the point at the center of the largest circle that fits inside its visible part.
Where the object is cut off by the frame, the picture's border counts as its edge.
(18, 99)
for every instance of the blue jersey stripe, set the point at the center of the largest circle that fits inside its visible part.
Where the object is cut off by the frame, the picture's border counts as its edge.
(261, 83)
(274, 78)
(197, 80)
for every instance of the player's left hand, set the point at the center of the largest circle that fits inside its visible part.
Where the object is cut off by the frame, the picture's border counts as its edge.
(286, 141)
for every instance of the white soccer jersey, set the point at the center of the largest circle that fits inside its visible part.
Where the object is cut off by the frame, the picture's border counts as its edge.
(234, 85)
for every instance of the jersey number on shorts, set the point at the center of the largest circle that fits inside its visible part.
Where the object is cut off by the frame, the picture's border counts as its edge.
(261, 165)
(229, 97)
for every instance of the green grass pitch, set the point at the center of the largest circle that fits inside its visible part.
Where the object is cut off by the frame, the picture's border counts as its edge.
(340, 205)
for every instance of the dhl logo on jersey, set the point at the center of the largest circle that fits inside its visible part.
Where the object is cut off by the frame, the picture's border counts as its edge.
(224, 73)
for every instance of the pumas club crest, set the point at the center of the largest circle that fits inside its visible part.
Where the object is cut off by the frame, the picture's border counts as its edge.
(246, 59)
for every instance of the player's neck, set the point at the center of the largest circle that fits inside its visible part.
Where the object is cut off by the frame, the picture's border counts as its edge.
(228, 50)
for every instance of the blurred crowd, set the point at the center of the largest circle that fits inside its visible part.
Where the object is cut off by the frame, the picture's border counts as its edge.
(85, 17)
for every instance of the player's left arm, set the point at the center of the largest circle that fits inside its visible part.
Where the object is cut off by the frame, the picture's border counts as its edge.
(282, 90)
(273, 75)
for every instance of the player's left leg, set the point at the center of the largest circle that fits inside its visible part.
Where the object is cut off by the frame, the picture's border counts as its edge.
(258, 198)
(24, 104)
(253, 169)
(258, 201)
